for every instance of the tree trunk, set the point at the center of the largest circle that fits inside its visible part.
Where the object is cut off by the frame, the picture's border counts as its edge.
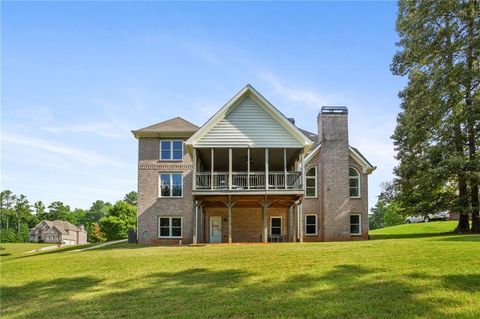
(470, 121)
(463, 225)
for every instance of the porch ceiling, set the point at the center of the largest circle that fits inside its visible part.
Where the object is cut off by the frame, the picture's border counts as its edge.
(250, 201)
(239, 158)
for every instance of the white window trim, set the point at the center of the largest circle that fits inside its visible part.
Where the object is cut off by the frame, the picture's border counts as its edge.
(316, 225)
(170, 227)
(359, 182)
(281, 224)
(316, 182)
(171, 182)
(359, 225)
(171, 151)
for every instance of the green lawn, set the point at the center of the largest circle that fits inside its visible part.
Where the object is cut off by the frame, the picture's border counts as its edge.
(420, 277)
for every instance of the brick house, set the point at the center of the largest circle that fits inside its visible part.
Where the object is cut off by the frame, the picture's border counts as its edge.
(58, 232)
(250, 175)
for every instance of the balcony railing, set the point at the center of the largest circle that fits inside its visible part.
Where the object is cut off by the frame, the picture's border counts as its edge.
(246, 181)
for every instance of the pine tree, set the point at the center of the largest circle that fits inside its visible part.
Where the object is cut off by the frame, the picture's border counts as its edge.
(437, 133)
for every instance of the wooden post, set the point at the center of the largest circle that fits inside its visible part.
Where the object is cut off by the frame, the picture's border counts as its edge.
(248, 168)
(290, 224)
(196, 205)
(285, 166)
(229, 168)
(212, 162)
(229, 205)
(195, 225)
(266, 169)
(265, 206)
(194, 168)
(301, 222)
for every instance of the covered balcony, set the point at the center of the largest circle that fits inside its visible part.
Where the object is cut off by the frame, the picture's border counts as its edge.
(249, 170)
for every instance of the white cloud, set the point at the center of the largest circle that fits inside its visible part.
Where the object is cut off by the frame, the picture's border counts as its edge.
(68, 152)
(103, 129)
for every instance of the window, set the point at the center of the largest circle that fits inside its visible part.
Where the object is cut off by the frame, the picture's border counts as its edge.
(275, 225)
(310, 225)
(171, 185)
(170, 227)
(355, 224)
(311, 182)
(354, 182)
(171, 150)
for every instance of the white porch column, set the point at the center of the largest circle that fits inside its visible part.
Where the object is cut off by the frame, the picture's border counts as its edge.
(196, 205)
(285, 166)
(229, 205)
(212, 162)
(302, 156)
(266, 169)
(290, 224)
(265, 206)
(194, 159)
(301, 221)
(229, 168)
(248, 168)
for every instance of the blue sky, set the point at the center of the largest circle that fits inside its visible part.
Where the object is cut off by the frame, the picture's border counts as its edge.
(77, 77)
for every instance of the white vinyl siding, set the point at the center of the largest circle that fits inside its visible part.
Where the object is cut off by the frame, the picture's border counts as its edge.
(248, 125)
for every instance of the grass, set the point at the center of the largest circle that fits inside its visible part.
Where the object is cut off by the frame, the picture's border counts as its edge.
(437, 276)
(414, 230)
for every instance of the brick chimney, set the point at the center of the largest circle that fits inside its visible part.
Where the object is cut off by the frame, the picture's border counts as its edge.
(334, 181)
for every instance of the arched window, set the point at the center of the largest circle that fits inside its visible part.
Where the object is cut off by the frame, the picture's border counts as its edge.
(311, 182)
(354, 182)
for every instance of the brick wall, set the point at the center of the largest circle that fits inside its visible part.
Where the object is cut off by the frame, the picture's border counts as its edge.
(150, 205)
(246, 222)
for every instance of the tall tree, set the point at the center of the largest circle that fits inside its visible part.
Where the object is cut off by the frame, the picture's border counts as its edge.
(7, 199)
(437, 131)
(39, 209)
(131, 198)
(22, 212)
(58, 210)
(98, 210)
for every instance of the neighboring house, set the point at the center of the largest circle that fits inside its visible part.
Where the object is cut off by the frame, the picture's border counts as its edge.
(58, 232)
(250, 175)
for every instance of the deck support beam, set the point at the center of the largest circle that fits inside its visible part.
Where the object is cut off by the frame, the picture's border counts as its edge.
(196, 205)
(229, 205)
(265, 204)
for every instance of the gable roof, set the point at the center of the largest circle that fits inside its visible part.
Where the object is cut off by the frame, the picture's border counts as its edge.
(251, 96)
(353, 152)
(62, 226)
(174, 126)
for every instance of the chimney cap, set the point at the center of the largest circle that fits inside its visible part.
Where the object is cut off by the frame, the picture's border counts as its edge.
(334, 110)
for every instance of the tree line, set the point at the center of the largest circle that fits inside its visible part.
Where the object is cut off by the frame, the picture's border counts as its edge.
(437, 137)
(103, 220)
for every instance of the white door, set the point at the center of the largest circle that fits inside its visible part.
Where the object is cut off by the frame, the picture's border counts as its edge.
(215, 229)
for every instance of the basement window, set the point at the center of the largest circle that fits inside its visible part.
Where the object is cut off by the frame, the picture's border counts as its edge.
(355, 224)
(170, 227)
(311, 225)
